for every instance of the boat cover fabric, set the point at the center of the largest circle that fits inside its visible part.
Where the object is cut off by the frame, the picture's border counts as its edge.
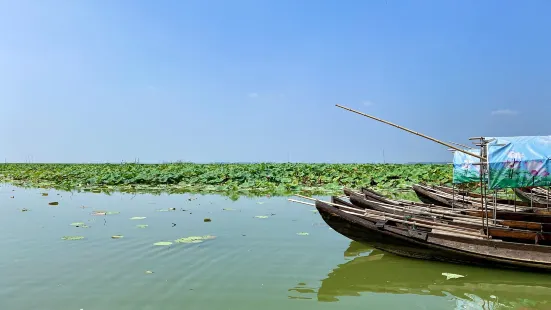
(463, 169)
(515, 162)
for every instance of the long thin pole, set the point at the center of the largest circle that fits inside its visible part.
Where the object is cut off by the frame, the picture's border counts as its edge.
(547, 198)
(462, 145)
(413, 132)
(453, 195)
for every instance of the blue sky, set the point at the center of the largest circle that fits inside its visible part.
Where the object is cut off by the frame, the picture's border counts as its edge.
(234, 81)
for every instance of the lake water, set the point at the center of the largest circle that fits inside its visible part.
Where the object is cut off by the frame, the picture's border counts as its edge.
(253, 263)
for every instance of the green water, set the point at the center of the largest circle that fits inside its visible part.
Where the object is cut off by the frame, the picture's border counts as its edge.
(253, 263)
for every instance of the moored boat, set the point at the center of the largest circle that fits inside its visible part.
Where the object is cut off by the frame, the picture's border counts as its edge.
(432, 244)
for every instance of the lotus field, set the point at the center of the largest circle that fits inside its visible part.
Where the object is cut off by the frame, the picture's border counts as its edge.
(232, 180)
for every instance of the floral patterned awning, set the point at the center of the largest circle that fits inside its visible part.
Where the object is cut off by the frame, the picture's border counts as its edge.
(519, 161)
(463, 169)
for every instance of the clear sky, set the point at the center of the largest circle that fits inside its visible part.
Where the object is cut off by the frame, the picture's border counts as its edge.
(242, 81)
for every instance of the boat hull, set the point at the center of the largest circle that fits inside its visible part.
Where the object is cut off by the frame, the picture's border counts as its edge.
(429, 247)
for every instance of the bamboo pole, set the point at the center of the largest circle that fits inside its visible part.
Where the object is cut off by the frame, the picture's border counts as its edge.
(462, 145)
(413, 132)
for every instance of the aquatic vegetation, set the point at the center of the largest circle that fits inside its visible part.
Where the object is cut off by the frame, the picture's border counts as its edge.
(194, 239)
(53, 203)
(103, 212)
(207, 220)
(72, 237)
(166, 210)
(80, 225)
(142, 226)
(163, 243)
(232, 180)
(117, 236)
(261, 216)
(138, 218)
(452, 275)
(303, 234)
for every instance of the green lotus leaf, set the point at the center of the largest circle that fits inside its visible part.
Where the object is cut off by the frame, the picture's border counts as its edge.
(138, 218)
(72, 237)
(194, 239)
(163, 243)
(142, 226)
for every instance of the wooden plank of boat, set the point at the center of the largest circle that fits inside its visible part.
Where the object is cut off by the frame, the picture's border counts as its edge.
(441, 247)
(494, 230)
(538, 201)
(460, 195)
(448, 200)
(520, 220)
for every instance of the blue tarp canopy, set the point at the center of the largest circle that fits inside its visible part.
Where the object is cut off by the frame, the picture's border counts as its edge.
(463, 169)
(523, 161)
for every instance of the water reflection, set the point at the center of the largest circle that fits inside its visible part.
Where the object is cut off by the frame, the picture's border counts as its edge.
(371, 271)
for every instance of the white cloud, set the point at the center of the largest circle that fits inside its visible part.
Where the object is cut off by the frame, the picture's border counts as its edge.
(367, 103)
(504, 112)
(253, 95)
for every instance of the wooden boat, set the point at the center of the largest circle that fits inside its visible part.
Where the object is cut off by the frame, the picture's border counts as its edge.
(461, 194)
(379, 272)
(539, 196)
(514, 231)
(536, 197)
(432, 244)
(540, 221)
(433, 196)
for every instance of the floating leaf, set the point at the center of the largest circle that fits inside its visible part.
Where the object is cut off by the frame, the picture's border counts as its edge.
(44, 194)
(260, 202)
(72, 237)
(112, 212)
(138, 218)
(207, 220)
(142, 226)
(194, 239)
(77, 224)
(315, 211)
(303, 234)
(117, 236)
(96, 190)
(452, 275)
(166, 210)
(53, 203)
(163, 243)
(228, 209)
(149, 272)
(261, 216)
(24, 210)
